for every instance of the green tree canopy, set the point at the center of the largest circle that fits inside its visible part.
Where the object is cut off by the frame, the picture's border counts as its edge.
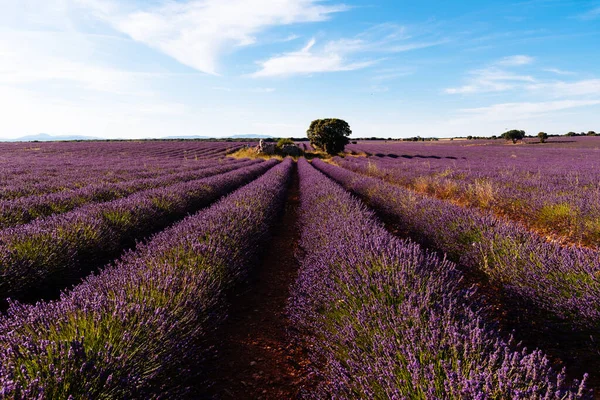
(543, 136)
(329, 134)
(514, 135)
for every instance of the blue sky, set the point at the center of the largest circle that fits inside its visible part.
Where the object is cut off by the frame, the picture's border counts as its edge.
(155, 68)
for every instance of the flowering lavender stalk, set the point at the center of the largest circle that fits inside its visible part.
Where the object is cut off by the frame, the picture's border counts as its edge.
(55, 249)
(137, 329)
(560, 280)
(386, 320)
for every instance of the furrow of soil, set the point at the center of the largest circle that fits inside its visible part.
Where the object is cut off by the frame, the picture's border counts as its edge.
(256, 359)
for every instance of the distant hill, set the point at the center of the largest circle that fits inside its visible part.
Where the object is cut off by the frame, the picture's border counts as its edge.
(187, 137)
(244, 136)
(44, 137)
(250, 136)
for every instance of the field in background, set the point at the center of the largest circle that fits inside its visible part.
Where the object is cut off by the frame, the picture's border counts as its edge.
(447, 269)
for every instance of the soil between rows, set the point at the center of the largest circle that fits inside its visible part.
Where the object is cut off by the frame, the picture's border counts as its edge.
(256, 359)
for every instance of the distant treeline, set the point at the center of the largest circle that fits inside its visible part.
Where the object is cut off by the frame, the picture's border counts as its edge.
(590, 133)
(305, 139)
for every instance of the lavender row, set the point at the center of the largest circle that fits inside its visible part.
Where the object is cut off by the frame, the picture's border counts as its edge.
(304, 146)
(26, 209)
(553, 190)
(53, 251)
(386, 320)
(560, 280)
(40, 180)
(137, 329)
(76, 165)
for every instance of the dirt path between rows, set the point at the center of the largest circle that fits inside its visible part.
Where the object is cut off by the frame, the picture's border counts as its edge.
(256, 358)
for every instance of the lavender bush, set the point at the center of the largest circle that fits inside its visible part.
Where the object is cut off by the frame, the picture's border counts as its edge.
(25, 209)
(386, 320)
(40, 168)
(137, 328)
(561, 280)
(555, 191)
(50, 251)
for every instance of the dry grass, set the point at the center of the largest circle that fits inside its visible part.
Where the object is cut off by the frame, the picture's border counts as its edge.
(250, 152)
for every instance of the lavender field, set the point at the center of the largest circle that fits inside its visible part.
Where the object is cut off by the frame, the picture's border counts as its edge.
(396, 270)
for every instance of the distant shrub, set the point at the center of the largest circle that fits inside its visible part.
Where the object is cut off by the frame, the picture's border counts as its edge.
(469, 137)
(283, 142)
(543, 136)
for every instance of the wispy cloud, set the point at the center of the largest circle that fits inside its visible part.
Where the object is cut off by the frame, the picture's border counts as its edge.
(592, 14)
(388, 74)
(490, 80)
(386, 38)
(523, 110)
(498, 78)
(514, 61)
(289, 38)
(308, 61)
(197, 32)
(558, 71)
(568, 89)
(495, 77)
(345, 54)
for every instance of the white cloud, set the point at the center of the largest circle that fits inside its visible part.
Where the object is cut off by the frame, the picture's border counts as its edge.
(559, 71)
(523, 110)
(307, 61)
(38, 58)
(196, 33)
(290, 38)
(388, 74)
(341, 54)
(494, 78)
(561, 89)
(490, 80)
(514, 61)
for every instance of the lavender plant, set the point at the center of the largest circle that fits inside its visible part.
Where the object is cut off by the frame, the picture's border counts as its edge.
(384, 319)
(49, 252)
(137, 329)
(555, 191)
(560, 280)
(30, 169)
(25, 209)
